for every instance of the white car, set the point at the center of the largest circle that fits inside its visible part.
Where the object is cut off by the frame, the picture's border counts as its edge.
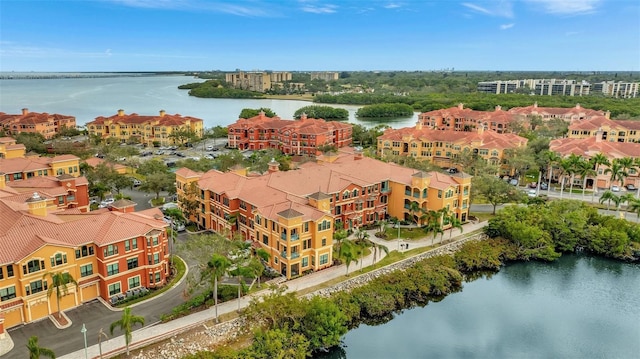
(532, 193)
(615, 189)
(209, 148)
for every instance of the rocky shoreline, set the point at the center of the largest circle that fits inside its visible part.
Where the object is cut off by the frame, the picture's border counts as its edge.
(204, 337)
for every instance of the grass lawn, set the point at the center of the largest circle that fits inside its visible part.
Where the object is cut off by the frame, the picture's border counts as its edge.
(405, 233)
(181, 269)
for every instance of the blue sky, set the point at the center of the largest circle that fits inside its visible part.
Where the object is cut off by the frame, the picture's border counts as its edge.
(298, 35)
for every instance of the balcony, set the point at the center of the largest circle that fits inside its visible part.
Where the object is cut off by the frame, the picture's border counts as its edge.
(283, 254)
(295, 255)
(295, 236)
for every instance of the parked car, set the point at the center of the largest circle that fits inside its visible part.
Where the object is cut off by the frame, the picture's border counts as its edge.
(106, 202)
(452, 170)
(532, 193)
(209, 148)
(544, 186)
(513, 182)
(630, 187)
(615, 188)
(136, 182)
(533, 185)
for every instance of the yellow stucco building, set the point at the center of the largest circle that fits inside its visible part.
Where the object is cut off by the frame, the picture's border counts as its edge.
(145, 129)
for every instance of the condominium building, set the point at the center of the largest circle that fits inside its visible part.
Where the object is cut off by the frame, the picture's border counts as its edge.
(617, 89)
(325, 76)
(568, 114)
(109, 253)
(465, 119)
(48, 125)
(300, 137)
(561, 87)
(256, 81)
(609, 130)
(443, 147)
(590, 146)
(163, 129)
(294, 214)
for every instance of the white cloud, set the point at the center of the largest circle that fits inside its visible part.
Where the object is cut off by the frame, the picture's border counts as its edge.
(392, 5)
(501, 8)
(567, 7)
(506, 26)
(319, 9)
(257, 10)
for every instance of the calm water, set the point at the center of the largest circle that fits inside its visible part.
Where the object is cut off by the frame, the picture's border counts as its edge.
(88, 98)
(578, 307)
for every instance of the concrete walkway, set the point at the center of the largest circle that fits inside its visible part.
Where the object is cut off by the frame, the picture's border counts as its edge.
(151, 334)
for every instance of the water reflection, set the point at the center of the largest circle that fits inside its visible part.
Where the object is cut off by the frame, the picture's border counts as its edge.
(577, 307)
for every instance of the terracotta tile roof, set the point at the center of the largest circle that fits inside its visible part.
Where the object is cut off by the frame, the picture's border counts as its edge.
(158, 120)
(21, 233)
(590, 146)
(95, 161)
(20, 165)
(566, 112)
(486, 139)
(596, 122)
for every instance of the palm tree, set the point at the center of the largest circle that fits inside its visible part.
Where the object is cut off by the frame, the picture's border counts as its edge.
(572, 166)
(617, 171)
(610, 196)
(36, 351)
(600, 159)
(634, 206)
(126, 323)
(627, 164)
(414, 208)
(338, 237)
(217, 267)
(585, 170)
(348, 254)
(455, 223)
(552, 158)
(59, 284)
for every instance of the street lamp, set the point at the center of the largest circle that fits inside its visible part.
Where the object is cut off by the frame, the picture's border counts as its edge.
(100, 335)
(84, 333)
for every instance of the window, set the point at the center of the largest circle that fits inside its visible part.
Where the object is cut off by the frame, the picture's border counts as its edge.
(265, 239)
(158, 279)
(132, 263)
(305, 262)
(110, 250)
(156, 258)
(84, 251)
(33, 266)
(86, 270)
(155, 241)
(134, 282)
(114, 288)
(324, 242)
(324, 259)
(1, 273)
(9, 271)
(127, 246)
(58, 259)
(7, 293)
(36, 287)
(324, 225)
(112, 269)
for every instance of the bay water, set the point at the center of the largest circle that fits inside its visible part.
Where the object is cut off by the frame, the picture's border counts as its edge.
(576, 307)
(88, 98)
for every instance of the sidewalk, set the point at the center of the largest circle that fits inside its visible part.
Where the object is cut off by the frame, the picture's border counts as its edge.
(161, 331)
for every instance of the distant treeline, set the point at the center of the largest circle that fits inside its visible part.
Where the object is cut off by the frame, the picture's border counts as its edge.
(216, 89)
(487, 102)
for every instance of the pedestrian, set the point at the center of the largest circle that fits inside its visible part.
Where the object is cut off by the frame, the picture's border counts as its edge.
(407, 246)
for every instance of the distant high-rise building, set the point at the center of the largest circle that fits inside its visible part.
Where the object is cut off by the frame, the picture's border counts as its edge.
(256, 80)
(325, 76)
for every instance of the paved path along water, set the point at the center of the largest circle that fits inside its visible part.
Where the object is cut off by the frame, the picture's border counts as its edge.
(151, 334)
